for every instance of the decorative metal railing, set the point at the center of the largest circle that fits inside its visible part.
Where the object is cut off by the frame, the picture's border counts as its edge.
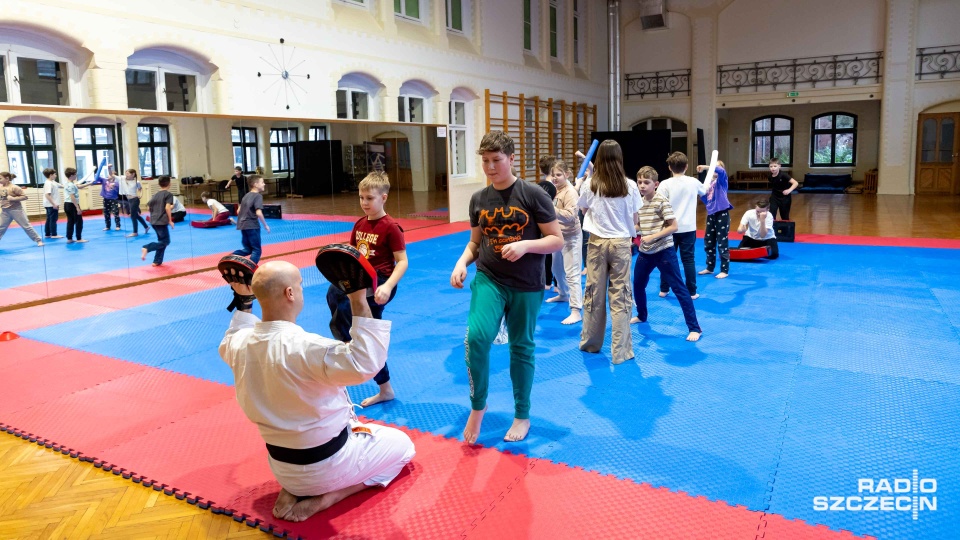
(938, 62)
(839, 70)
(659, 83)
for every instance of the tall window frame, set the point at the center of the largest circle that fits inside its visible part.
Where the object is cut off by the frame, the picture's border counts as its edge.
(577, 28)
(93, 142)
(411, 109)
(353, 104)
(767, 133)
(173, 89)
(409, 9)
(318, 133)
(153, 150)
(459, 154)
(554, 29)
(528, 25)
(31, 148)
(455, 15)
(841, 141)
(4, 95)
(245, 147)
(281, 148)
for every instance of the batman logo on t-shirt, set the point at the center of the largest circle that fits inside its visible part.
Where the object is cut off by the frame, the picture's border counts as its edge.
(503, 226)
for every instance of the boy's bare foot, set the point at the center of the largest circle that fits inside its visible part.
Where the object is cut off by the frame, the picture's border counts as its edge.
(71, 241)
(82, 241)
(302, 510)
(663, 294)
(557, 299)
(693, 336)
(722, 275)
(157, 264)
(618, 361)
(705, 272)
(284, 504)
(584, 272)
(636, 320)
(39, 244)
(143, 254)
(574, 317)
(131, 235)
(471, 432)
(385, 394)
(518, 431)
(694, 297)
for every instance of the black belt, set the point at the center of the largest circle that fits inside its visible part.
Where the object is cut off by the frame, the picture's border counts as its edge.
(307, 456)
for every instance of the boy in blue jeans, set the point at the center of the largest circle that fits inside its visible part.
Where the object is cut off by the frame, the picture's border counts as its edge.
(249, 217)
(657, 224)
(380, 239)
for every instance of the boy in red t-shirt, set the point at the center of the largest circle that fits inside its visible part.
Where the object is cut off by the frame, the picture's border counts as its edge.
(380, 239)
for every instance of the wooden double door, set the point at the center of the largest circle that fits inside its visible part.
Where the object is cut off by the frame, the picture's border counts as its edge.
(938, 154)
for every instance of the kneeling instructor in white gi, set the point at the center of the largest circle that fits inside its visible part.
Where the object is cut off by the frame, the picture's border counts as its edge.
(291, 384)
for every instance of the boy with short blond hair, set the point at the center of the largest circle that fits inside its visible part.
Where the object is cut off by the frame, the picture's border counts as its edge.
(656, 225)
(380, 239)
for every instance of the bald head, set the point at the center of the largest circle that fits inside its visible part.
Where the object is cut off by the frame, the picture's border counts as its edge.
(272, 279)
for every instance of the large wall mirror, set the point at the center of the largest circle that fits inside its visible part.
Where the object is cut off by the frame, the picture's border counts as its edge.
(311, 172)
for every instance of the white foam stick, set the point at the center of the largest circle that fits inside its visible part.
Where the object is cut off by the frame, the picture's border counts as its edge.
(713, 167)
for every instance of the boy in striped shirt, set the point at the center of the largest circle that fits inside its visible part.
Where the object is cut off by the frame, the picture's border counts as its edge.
(656, 226)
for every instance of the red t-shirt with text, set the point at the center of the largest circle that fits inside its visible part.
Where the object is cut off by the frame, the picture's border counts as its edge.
(377, 240)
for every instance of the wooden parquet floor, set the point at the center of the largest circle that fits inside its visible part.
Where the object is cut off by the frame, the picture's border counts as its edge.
(47, 495)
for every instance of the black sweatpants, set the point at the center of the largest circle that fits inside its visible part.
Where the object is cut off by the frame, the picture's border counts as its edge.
(781, 203)
(748, 242)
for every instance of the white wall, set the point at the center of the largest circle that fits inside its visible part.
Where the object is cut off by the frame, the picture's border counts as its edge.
(662, 49)
(753, 30)
(937, 23)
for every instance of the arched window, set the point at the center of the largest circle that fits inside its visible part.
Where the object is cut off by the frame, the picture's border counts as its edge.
(153, 149)
(771, 137)
(413, 103)
(833, 140)
(164, 79)
(41, 67)
(95, 139)
(678, 131)
(31, 148)
(355, 96)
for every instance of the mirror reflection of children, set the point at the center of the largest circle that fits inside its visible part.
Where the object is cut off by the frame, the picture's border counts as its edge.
(757, 229)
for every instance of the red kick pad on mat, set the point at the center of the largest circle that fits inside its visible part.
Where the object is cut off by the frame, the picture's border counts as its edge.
(114, 412)
(556, 501)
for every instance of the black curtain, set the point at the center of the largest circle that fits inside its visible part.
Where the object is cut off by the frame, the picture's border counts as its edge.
(641, 148)
(318, 167)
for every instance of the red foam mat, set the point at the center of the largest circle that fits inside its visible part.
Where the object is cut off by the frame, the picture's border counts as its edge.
(31, 382)
(23, 349)
(113, 412)
(21, 320)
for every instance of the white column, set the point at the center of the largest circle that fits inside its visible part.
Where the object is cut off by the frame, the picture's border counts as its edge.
(703, 79)
(897, 121)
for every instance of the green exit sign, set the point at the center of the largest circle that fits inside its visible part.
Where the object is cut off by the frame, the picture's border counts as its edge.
(793, 94)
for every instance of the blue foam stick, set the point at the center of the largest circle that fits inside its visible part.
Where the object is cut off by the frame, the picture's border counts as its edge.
(586, 160)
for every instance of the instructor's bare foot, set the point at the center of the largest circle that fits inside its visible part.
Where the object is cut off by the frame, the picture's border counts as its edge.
(705, 272)
(284, 504)
(518, 431)
(143, 254)
(302, 510)
(574, 317)
(557, 299)
(471, 432)
(722, 275)
(693, 336)
(385, 394)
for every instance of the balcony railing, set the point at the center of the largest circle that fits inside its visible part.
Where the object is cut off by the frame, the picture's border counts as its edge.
(796, 73)
(938, 62)
(658, 83)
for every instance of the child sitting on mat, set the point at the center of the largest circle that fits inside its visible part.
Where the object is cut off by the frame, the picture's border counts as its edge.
(757, 229)
(657, 223)
(380, 239)
(219, 215)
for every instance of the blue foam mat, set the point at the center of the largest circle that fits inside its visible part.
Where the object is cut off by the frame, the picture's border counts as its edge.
(813, 369)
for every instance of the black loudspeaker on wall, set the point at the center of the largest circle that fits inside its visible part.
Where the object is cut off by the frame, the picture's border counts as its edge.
(318, 167)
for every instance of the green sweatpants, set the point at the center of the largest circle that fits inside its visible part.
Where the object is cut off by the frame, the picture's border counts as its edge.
(488, 304)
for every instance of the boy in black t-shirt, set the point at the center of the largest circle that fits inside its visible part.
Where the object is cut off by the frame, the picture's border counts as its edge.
(249, 216)
(781, 185)
(512, 226)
